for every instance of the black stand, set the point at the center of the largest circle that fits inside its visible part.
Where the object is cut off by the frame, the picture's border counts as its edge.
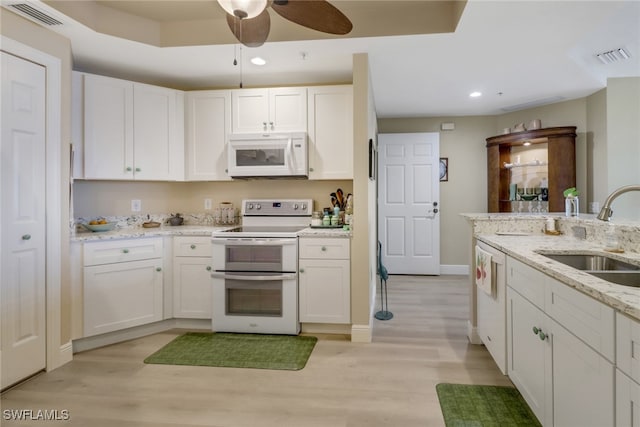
(383, 314)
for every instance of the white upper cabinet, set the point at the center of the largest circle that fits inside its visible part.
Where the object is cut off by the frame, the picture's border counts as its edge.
(330, 121)
(130, 130)
(269, 110)
(208, 123)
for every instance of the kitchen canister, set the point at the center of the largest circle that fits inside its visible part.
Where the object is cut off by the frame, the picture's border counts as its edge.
(316, 219)
(571, 206)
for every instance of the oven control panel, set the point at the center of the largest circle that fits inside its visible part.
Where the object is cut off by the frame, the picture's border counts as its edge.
(269, 207)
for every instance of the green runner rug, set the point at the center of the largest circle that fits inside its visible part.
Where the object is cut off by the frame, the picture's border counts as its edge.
(236, 351)
(483, 406)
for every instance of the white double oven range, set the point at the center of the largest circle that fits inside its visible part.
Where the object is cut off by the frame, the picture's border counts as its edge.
(255, 268)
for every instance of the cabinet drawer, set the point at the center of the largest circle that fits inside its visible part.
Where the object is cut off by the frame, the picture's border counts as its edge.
(583, 316)
(528, 282)
(628, 346)
(96, 253)
(322, 248)
(198, 246)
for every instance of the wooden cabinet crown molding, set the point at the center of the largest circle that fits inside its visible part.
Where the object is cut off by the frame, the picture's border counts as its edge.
(532, 136)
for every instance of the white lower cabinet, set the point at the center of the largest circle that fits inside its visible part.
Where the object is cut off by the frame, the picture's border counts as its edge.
(628, 372)
(565, 381)
(627, 401)
(325, 280)
(192, 287)
(122, 284)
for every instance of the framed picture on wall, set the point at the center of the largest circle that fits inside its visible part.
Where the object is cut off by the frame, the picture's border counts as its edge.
(373, 161)
(444, 169)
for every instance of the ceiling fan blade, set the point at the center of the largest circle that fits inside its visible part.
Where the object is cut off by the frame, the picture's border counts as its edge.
(250, 32)
(319, 15)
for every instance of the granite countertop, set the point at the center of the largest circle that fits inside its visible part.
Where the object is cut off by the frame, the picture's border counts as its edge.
(526, 249)
(186, 230)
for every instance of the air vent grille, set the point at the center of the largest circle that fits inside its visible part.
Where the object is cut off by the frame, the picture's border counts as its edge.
(614, 55)
(35, 14)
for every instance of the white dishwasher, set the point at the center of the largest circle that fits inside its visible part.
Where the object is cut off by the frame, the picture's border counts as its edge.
(492, 309)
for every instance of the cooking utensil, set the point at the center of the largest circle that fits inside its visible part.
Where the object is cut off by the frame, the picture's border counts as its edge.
(340, 198)
(334, 201)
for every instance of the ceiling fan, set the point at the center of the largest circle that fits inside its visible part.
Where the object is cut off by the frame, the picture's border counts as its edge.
(250, 22)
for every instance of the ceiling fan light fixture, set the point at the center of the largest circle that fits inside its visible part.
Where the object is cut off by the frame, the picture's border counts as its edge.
(243, 9)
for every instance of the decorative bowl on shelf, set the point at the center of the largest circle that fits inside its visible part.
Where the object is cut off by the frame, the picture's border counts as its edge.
(100, 227)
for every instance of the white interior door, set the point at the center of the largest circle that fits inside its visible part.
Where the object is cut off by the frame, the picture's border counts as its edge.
(408, 197)
(22, 210)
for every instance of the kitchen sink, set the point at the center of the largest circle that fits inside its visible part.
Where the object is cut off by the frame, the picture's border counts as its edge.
(590, 263)
(601, 266)
(620, 277)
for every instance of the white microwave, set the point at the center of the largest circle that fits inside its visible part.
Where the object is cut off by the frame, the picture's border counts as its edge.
(268, 155)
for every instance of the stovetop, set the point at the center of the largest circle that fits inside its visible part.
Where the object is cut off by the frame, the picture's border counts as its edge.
(270, 218)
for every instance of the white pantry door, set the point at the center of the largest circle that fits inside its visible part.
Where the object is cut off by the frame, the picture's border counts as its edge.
(408, 202)
(22, 219)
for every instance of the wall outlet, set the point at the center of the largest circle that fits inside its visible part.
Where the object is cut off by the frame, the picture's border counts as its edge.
(207, 204)
(136, 205)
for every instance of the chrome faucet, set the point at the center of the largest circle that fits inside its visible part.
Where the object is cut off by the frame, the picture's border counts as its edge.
(606, 211)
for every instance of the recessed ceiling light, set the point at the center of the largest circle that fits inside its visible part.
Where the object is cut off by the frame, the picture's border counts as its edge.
(475, 94)
(258, 61)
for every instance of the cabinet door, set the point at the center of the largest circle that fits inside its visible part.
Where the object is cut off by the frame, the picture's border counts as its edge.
(192, 287)
(583, 382)
(208, 124)
(287, 110)
(330, 121)
(325, 291)
(122, 295)
(250, 110)
(627, 401)
(527, 352)
(158, 144)
(108, 128)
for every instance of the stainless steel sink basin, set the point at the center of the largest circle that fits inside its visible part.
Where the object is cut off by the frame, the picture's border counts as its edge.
(606, 268)
(593, 262)
(622, 277)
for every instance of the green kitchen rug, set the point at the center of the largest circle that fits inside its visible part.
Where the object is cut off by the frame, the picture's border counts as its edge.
(483, 406)
(236, 351)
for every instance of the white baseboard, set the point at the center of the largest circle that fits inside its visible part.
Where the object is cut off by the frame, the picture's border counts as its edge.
(361, 333)
(66, 353)
(454, 269)
(472, 333)
(325, 328)
(89, 343)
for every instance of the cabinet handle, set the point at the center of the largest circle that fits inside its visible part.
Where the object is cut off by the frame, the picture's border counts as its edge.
(310, 169)
(193, 246)
(323, 249)
(158, 269)
(536, 330)
(125, 251)
(208, 268)
(26, 237)
(128, 169)
(543, 336)
(271, 124)
(264, 125)
(302, 270)
(138, 169)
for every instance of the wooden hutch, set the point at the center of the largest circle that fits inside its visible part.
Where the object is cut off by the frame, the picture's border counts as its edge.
(561, 167)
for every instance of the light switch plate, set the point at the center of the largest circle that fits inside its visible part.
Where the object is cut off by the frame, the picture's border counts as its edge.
(136, 205)
(207, 204)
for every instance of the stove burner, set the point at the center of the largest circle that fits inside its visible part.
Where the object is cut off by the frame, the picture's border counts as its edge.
(265, 229)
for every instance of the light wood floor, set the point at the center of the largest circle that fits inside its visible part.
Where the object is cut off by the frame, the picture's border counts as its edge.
(390, 382)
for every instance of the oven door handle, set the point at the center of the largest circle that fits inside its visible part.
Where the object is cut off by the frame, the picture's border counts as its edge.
(251, 242)
(290, 276)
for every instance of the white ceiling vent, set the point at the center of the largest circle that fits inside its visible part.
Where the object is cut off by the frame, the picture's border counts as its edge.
(612, 56)
(34, 12)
